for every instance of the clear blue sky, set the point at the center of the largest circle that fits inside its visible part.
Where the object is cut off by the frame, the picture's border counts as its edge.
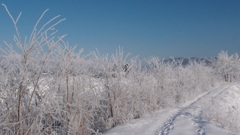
(199, 28)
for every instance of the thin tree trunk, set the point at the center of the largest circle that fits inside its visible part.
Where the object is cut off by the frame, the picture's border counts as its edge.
(19, 107)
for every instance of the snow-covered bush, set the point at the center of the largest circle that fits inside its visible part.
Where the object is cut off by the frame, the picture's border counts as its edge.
(177, 81)
(228, 66)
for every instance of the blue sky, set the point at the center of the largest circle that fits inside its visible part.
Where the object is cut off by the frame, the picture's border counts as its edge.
(180, 28)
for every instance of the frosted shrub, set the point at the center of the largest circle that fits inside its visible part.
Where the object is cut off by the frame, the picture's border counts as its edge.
(227, 66)
(178, 82)
(118, 85)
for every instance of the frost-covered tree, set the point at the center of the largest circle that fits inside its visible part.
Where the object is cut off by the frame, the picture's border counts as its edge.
(228, 66)
(25, 61)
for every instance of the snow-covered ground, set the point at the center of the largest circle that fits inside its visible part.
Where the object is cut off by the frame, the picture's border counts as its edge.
(189, 119)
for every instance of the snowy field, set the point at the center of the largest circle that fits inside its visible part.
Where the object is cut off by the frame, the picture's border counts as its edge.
(189, 119)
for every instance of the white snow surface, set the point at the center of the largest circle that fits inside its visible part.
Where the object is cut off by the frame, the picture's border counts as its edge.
(185, 120)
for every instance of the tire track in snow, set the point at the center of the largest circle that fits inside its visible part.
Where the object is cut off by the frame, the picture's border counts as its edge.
(192, 111)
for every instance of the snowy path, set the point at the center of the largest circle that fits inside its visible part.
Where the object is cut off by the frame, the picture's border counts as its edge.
(178, 121)
(188, 121)
(147, 125)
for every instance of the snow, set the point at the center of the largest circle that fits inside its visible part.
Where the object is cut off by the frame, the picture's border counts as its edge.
(212, 129)
(145, 125)
(189, 119)
(224, 110)
(183, 124)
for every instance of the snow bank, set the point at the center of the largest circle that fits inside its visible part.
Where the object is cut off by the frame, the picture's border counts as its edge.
(224, 109)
